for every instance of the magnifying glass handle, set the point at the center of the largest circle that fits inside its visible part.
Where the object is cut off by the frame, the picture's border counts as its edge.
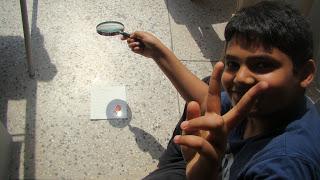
(125, 34)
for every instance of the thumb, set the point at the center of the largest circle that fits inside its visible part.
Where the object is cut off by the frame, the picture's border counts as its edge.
(193, 111)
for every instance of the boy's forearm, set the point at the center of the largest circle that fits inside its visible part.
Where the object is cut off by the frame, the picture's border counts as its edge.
(188, 85)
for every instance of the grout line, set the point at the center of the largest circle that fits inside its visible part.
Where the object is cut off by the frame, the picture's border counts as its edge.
(311, 99)
(171, 44)
(170, 28)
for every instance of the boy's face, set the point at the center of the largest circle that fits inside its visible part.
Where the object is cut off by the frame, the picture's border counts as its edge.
(245, 66)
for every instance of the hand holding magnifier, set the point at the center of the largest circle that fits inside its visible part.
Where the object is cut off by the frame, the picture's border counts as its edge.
(112, 28)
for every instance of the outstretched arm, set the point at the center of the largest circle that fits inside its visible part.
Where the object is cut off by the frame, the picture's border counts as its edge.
(188, 85)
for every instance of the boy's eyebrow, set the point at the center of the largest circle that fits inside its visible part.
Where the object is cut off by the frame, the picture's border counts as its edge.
(255, 57)
(262, 57)
(231, 57)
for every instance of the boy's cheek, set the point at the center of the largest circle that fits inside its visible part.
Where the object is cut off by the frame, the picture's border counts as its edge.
(272, 100)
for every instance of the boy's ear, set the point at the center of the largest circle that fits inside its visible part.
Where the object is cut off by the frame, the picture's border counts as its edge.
(307, 73)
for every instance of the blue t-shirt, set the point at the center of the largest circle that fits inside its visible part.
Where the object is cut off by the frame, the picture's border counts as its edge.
(292, 152)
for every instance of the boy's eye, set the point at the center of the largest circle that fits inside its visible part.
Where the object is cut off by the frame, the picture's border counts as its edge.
(232, 66)
(262, 67)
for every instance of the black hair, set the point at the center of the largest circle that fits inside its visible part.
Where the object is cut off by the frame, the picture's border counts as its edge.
(274, 24)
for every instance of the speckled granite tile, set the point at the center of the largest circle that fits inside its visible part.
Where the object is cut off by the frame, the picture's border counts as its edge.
(11, 18)
(50, 113)
(191, 23)
(313, 92)
(201, 70)
(129, 148)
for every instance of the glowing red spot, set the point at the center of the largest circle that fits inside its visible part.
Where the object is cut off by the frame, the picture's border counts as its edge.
(117, 108)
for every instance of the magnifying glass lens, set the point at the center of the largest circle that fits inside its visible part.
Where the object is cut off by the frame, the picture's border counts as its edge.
(110, 28)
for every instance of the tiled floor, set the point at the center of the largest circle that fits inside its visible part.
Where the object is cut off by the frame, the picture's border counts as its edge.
(49, 116)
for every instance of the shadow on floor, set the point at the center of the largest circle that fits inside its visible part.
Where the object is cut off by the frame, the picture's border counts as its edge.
(199, 16)
(145, 141)
(17, 85)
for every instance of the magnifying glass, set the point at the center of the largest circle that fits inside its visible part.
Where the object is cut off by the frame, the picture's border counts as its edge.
(111, 28)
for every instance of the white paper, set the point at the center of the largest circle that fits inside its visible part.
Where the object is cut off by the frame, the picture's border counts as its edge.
(102, 95)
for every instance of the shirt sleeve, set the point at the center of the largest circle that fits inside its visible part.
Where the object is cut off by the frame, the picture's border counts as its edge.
(283, 167)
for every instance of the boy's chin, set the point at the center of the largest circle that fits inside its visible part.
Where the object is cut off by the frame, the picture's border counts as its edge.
(255, 111)
(259, 111)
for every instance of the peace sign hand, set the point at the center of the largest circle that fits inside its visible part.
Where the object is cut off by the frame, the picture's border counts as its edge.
(204, 138)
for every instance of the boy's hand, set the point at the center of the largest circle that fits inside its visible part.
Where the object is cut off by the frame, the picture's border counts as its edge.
(145, 44)
(204, 142)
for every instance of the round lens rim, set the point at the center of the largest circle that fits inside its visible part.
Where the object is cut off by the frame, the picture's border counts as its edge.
(112, 33)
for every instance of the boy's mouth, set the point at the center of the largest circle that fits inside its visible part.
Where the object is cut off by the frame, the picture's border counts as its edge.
(236, 97)
(237, 94)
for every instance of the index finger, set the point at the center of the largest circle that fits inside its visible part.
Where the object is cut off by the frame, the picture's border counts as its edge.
(213, 98)
(243, 107)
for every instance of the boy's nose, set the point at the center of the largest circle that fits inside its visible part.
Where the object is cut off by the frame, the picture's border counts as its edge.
(244, 76)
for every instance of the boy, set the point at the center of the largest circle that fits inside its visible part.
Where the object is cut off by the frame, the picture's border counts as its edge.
(262, 126)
